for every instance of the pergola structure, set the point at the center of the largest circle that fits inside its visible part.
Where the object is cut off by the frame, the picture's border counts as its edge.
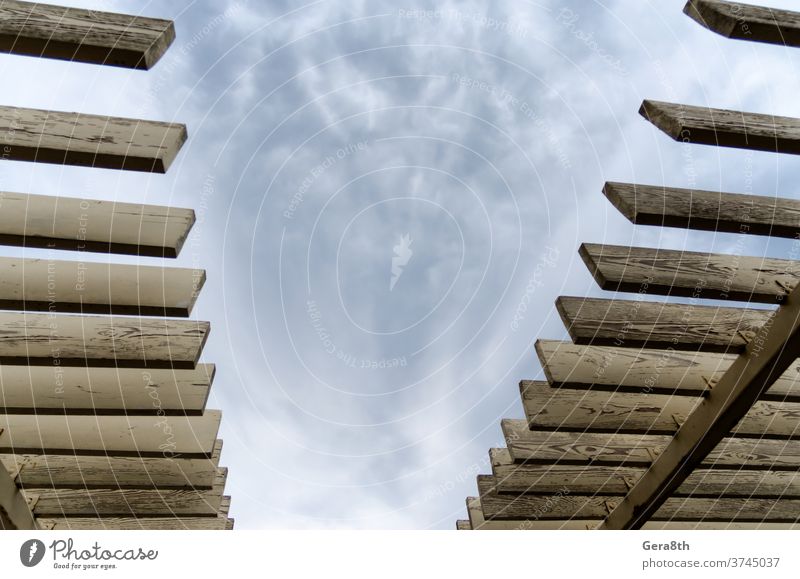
(665, 415)
(103, 418)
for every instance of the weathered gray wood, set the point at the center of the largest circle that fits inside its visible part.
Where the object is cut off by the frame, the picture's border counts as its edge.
(724, 128)
(33, 29)
(706, 210)
(462, 525)
(77, 471)
(134, 523)
(606, 368)
(638, 450)
(15, 514)
(83, 390)
(621, 412)
(747, 22)
(97, 288)
(165, 436)
(69, 340)
(688, 274)
(636, 324)
(89, 140)
(585, 524)
(511, 477)
(67, 223)
(770, 353)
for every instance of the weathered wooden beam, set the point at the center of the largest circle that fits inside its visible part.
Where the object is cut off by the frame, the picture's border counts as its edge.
(675, 372)
(724, 128)
(462, 525)
(98, 288)
(165, 436)
(636, 324)
(134, 523)
(86, 472)
(89, 140)
(767, 356)
(690, 274)
(747, 22)
(67, 223)
(622, 412)
(70, 340)
(42, 30)
(83, 390)
(638, 450)
(15, 514)
(706, 210)
(511, 477)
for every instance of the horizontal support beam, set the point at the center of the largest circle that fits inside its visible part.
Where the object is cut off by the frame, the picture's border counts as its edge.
(747, 22)
(690, 274)
(89, 140)
(164, 436)
(98, 288)
(640, 450)
(606, 368)
(706, 210)
(724, 128)
(636, 324)
(86, 472)
(71, 340)
(42, 30)
(82, 390)
(217, 523)
(66, 223)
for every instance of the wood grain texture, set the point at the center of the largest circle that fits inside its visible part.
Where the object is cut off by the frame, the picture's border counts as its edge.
(85, 472)
(134, 523)
(724, 128)
(686, 273)
(42, 30)
(84, 390)
(706, 210)
(675, 372)
(97, 288)
(621, 412)
(164, 436)
(67, 223)
(639, 450)
(69, 340)
(89, 140)
(636, 324)
(747, 22)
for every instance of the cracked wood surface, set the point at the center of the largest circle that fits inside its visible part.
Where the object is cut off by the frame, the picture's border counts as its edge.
(747, 22)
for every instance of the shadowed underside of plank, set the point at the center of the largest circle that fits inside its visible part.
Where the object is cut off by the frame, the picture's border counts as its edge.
(747, 22)
(67, 223)
(89, 140)
(724, 128)
(43, 30)
(687, 273)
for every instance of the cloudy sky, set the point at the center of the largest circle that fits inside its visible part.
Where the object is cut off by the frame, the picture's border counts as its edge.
(390, 198)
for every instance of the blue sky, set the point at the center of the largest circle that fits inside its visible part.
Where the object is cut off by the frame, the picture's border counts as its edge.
(390, 198)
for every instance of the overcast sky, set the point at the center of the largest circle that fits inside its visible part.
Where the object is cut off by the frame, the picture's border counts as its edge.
(390, 198)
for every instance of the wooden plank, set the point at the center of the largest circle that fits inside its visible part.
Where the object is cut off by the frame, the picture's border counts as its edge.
(690, 274)
(89, 140)
(637, 450)
(770, 353)
(98, 288)
(747, 22)
(621, 412)
(71, 340)
(511, 477)
(15, 514)
(706, 210)
(724, 128)
(636, 324)
(165, 436)
(462, 525)
(134, 523)
(606, 368)
(83, 390)
(585, 524)
(66, 223)
(42, 30)
(85, 472)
